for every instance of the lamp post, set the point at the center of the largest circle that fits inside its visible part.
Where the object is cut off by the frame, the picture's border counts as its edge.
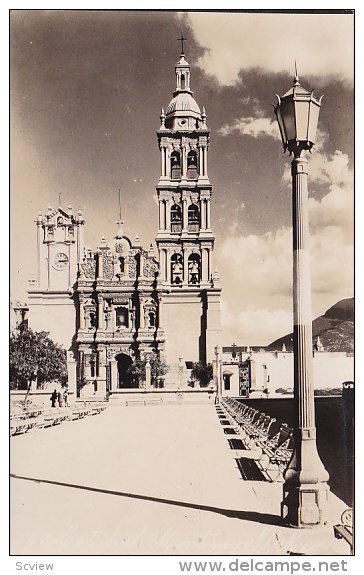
(305, 490)
(217, 374)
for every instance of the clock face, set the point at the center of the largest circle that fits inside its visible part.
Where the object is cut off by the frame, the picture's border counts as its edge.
(60, 261)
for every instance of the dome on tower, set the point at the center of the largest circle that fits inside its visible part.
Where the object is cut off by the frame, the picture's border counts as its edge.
(183, 102)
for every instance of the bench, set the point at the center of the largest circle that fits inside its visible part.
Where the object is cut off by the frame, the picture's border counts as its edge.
(259, 431)
(276, 451)
(345, 529)
(18, 427)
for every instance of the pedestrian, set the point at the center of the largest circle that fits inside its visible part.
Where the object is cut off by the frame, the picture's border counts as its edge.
(54, 398)
(60, 399)
(65, 397)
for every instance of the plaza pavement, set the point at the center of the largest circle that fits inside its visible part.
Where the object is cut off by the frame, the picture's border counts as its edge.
(148, 480)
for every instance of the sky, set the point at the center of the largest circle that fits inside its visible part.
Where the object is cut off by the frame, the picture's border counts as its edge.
(86, 94)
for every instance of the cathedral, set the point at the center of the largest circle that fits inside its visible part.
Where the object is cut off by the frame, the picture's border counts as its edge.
(122, 302)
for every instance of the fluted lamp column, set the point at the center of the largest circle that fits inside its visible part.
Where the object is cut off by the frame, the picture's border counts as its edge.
(305, 489)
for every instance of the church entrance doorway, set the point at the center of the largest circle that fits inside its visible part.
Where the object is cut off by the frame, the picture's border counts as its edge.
(124, 378)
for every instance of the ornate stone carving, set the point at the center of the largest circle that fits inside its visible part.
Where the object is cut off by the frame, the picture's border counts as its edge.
(112, 352)
(88, 269)
(150, 268)
(119, 248)
(107, 266)
(132, 268)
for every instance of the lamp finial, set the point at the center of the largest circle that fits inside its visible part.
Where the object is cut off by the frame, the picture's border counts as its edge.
(296, 78)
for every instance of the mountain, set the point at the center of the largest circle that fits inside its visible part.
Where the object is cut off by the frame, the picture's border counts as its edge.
(335, 329)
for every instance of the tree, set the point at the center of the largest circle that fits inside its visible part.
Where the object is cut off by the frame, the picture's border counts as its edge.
(202, 372)
(34, 356)
(136, 371)
(158, 369)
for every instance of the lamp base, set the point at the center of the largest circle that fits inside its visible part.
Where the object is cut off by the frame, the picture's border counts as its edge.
(304, 505)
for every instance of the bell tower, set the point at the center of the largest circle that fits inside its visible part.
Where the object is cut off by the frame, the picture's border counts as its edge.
(185, 239)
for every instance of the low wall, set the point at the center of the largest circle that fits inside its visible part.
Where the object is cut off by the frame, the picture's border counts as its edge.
(39, 397)
(163, 396)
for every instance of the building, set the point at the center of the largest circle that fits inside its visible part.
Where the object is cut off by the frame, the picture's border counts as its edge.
(121, 302)
(259, 373)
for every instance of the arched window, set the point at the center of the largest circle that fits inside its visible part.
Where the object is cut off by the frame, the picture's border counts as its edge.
(193, 218)
(192, 172)
(122, 317)
(175, 166)
(227, 377)
(194, 269)
(151, 319)
(176, 218)
(176, 269)
(183, 82)
(121, 261)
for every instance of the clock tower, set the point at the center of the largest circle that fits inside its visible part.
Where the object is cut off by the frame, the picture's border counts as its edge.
(191, 300)
(59, 253)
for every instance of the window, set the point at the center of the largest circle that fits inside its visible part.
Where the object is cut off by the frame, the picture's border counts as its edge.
(192, 172)
(227, 383)
(175, 166)
(183, 82)
(176, 269)
(122, 317)
(93, 365)
(194, 269)
(176, 218)
(121, 261)
(151, 319)
(193, 218)
(92, 319)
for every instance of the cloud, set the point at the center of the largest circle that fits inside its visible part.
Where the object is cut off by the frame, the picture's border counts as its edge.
(332, 169)
(325, 168)
(256, 267)
(322, 44)
(254, 326)
(336, 207)
(252, 126)
(256, 270)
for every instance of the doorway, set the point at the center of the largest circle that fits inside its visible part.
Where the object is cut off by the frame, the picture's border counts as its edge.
(124, 378)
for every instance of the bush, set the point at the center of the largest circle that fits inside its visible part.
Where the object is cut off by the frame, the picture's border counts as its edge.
(202, 372)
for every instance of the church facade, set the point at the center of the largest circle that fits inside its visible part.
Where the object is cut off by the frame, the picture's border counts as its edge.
(120, 302)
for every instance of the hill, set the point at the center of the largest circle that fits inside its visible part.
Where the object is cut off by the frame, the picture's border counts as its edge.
(335, 329)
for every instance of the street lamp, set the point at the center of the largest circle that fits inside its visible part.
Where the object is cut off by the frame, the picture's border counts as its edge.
(217, 374)
(305, 489)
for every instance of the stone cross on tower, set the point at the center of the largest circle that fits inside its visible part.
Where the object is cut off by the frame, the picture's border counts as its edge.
(182, 39)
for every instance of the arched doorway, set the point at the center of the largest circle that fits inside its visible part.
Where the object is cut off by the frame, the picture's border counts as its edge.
(124, 379)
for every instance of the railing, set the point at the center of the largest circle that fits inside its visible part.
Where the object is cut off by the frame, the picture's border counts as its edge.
(176, 228)
(194, 227)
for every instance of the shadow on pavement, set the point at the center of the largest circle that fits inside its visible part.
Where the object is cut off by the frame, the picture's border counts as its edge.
(265, 518)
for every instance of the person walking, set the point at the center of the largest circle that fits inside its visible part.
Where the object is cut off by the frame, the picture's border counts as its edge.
(65, 397)
(54, 398)
(60, 399)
